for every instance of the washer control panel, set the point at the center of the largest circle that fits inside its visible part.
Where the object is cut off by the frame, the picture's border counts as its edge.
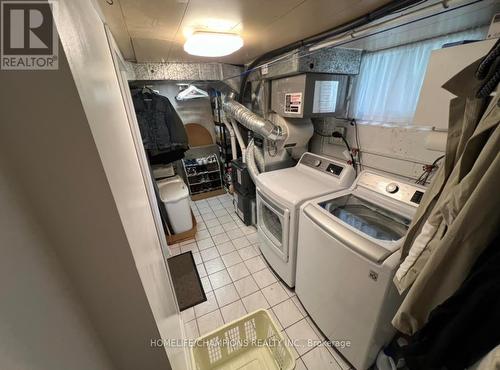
(400, 190)
(322, 164)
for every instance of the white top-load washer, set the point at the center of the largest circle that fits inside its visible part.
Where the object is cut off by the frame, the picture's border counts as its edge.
(280, 194)
(348, 251)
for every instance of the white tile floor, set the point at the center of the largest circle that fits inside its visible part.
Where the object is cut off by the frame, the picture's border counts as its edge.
(237, 281)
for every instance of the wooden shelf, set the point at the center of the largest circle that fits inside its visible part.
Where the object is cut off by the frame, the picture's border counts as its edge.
(207, 190)
(208, 194)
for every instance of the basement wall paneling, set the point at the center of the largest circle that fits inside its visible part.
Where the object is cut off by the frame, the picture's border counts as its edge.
(395, 150)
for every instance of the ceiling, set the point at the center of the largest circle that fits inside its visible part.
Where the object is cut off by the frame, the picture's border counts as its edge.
(477, 15)
(155, 30)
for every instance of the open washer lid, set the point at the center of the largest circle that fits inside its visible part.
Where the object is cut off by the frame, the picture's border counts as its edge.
(371, 218)
(367, 218)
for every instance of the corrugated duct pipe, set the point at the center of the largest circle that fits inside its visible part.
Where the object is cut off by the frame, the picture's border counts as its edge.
(233, 139)
(237, 132)
(257, 124)
(250, 120)
(259, 158)
(250, 161)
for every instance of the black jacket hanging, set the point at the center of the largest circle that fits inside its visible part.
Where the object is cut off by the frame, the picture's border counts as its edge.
(163, 134)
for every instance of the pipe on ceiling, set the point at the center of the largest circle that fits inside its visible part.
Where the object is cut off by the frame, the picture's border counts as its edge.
(383, 11)
(397, 21)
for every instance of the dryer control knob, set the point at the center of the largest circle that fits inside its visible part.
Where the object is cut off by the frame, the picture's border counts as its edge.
(392, 188)
(316, 163)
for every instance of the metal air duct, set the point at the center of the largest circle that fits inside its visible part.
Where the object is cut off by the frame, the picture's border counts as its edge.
(252, 121)
(250, 161)
(288, 138)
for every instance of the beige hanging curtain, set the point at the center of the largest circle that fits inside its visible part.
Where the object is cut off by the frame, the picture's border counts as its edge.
(460, 212)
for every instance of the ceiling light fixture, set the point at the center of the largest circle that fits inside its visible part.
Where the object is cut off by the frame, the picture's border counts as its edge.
(212, 44)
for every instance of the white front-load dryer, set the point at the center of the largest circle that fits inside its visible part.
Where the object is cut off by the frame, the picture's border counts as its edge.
(280, 194)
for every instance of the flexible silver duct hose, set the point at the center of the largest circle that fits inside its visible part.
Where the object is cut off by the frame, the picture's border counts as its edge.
(257, 124)
(250, 120)
(237, 132)
(250, 161)
(259, 158)
(233, 139)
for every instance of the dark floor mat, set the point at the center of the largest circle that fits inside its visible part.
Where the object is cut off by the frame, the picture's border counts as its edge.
(186, 280)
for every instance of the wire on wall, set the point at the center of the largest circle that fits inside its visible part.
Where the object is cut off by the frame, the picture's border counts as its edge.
(358, 146)
(357, 150)
(428, 169)
(339, 135)
(321, 134)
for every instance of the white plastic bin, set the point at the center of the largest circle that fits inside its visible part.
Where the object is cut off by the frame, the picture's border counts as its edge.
(175, 195)
(252, 342)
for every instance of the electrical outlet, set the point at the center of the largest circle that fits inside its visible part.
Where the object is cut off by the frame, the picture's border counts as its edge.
(337, 140)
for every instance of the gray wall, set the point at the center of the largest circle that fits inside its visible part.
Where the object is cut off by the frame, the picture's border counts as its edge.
(68, 265)
(54, 161)
(43, 324)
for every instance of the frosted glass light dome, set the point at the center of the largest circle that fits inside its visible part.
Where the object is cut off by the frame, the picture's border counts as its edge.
(212, 44)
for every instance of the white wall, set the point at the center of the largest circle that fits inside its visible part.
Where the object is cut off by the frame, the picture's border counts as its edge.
(398, 151)
(42, 323)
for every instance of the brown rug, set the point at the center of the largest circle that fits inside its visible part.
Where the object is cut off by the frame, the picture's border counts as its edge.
(187, 284)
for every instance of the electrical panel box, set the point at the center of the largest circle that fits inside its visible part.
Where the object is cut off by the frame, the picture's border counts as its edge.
(310, 95)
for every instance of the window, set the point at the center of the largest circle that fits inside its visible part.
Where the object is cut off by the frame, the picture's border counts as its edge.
(390, 80)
